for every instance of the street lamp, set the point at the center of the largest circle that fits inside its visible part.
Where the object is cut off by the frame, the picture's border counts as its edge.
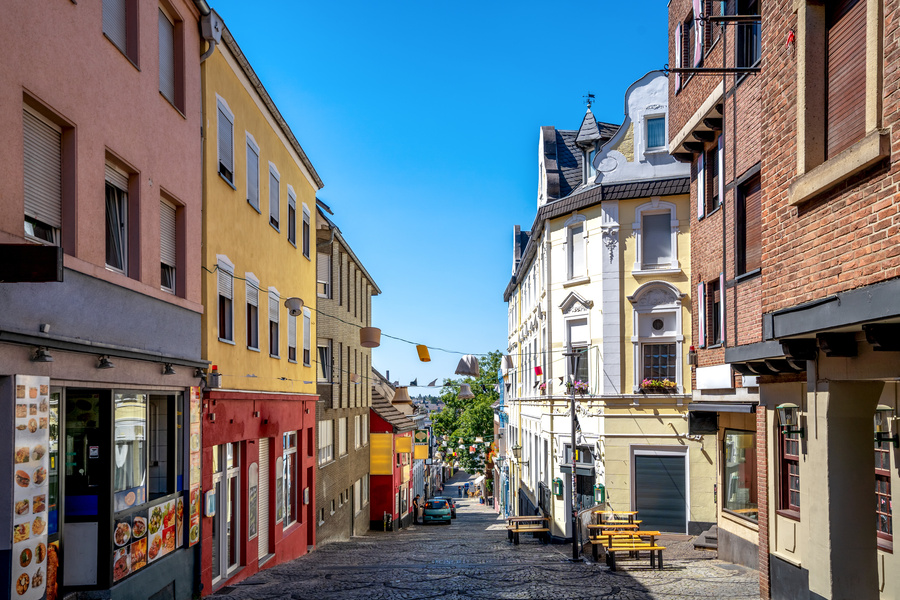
(574, 357)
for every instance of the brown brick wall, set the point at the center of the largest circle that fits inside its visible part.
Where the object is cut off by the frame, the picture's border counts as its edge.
(762, 501)
(846, 238)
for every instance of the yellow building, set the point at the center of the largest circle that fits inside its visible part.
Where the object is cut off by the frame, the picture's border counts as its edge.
(604, 273)
(259, 286)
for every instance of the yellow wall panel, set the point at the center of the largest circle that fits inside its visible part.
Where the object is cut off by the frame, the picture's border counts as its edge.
(381, 454)
(404, 444)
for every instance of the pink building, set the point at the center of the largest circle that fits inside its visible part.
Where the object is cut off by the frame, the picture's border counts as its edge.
(100, 108)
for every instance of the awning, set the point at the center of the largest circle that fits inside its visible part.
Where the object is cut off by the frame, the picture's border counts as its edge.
(478, 480)
(738, 407)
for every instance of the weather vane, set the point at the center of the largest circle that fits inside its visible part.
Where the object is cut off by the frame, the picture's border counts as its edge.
(588, 99)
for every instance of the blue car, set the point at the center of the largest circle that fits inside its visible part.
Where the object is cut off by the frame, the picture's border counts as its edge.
(436, 511)
(450, 502)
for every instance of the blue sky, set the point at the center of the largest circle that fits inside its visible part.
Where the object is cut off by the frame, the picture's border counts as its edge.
(422, 119)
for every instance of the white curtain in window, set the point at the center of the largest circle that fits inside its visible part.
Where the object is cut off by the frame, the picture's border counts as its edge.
(656, 233)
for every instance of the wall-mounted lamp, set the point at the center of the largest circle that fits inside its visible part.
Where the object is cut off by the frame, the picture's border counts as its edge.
(168, 369)
(41, 355)
(294, 306)
(884, 415)
(789, 418)
(105, 363)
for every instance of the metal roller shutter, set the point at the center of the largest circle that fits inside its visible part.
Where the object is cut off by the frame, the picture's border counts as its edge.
(660, 492)
(263, 538)
(167, 238)
(117, 178)
(166, 57)
(114, 24)
(225, 283)
(846, 74)
(43, 180)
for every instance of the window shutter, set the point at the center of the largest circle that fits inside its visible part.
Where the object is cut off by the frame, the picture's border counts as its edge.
(116, 177)
(721, 315)
(701, 314)
(43, 179)
(701, 187)
(166, 57)
(323, 273)
(846, 75)
(273, 307)
(226, 153)
(753, 226)
(252, 293)
(273, 198)
(577, 234)
(678, 56)
(306, 333)
(252, 177)
(225, 282)
(720, 160)
(114, 24)
(698, 32)
(167, 239)
(292, 332)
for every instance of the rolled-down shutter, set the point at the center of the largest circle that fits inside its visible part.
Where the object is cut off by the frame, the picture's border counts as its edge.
(43, 180)
(166, 57)
(226, 143)
(753, 226)
(846, 78)
(252, 293)
(225, 283)
(273, 307)
(252, 176)
(323, 273)
(274, 198)
(114, 23)
(167, 238)
(292, 332)
(116, 177)
(263, 539)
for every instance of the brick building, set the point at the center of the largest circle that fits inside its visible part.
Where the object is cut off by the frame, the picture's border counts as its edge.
(827, 288)
(715, 125)
(343, 306)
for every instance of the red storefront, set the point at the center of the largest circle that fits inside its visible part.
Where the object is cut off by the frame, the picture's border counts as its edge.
(390, 483)
(258, 483)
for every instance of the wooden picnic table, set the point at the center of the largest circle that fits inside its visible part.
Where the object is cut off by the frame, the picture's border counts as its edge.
(632, 542)
(608, 525)
(526, 524)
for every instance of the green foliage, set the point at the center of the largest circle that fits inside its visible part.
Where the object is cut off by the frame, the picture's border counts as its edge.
(469, 418)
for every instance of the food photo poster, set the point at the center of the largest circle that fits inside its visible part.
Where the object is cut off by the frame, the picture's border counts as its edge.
(32, 442)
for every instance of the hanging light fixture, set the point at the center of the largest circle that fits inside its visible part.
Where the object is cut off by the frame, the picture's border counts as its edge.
(354, 378)
(401, 396)
(423, 353)
(41, 355)
(369, 337)
(479, 440)
(468, 365)
(465, 392)
(105, 363)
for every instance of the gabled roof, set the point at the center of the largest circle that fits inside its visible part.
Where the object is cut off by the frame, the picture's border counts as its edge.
(382, 394)
(588, 133)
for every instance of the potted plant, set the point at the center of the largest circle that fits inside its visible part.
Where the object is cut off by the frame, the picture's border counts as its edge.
(543, 388)
(658, 386)
(581, 387)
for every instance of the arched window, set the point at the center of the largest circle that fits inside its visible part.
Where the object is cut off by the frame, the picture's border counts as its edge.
(657, 336)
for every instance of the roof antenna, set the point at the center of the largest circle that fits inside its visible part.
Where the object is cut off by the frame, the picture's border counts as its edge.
(588, 99)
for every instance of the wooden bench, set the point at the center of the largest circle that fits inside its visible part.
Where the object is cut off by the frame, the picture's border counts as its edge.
(633, 542)
(634, 550)
(527, 524)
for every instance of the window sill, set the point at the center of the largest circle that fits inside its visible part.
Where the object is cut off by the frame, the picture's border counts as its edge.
(224, 341)
(642, 272)
(256, 208)
(125, 54)
(252, 349)
(230, 184)
(793, 515)
(886, 545)
(577, 281)
(274, 356)
(275, 227)
(871, 149)
(293, 362)
(306, 364)
(172, 104)
(748, 275)
(740, 518)
(292, 243)
(710, 213)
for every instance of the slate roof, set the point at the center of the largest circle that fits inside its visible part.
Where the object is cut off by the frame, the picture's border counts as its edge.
(400, 422)
(563, 157)
(588, 133)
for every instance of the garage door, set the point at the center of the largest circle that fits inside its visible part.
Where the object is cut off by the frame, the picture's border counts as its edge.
(660, 492)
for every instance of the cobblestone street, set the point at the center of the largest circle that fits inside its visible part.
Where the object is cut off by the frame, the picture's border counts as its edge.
(471, 559)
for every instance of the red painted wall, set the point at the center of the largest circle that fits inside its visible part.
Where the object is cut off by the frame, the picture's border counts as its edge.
(234, 422)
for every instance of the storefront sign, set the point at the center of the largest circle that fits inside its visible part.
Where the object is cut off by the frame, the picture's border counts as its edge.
(194, 475)
(32, 440)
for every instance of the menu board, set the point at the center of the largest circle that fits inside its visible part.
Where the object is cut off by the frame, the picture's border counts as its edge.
(32, 440)
(130, 541)
(194, 475)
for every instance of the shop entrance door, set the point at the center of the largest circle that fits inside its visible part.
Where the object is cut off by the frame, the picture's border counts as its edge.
(86, 451)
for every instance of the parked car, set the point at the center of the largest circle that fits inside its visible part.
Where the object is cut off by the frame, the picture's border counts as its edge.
(450, 502)
(436, 511)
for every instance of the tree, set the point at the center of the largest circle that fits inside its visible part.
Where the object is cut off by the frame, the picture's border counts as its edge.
(469, 418)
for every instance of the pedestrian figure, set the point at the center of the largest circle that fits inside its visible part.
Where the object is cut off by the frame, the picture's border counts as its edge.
(415, 504)
(459, 491)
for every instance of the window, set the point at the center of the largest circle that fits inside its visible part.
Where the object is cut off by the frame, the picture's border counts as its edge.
(656, 133)
(365, 431)
(292, 338)
(252, 311)
(274, 196)
(749, 49)
(252, 172)
(168, 245)
(658, 362)
(305, 231)
(739, 473)
(577, 339)
(225, 141)
(576, 250)
(43, 178)
(342, 436)
(715, 184)
(357, 496)
(357, 431)
(365, 489)
(323, 275)
(307, 333)
(326, 442)
(845, 83)
(226, 538)
(225, 284)
(130, 466)
(656, 241)
(120, 22)
(166, 57)
(749, 229)
(165, 417)
(116, 220)
(291, 482)
(323, 366)
(292, 217)
(883, 519)
(274, 310)
(714, 312)
(790, 472)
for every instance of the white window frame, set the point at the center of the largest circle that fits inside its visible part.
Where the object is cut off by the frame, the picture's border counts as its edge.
(570, 224)
(124, 217)
(306, 233)
(325, 442)
(342, 437)
(357, 431)
(252, 283)
(285, 453)
(227, 267)
(292, 218)
(643, 309)
(273, 172)
(365, 489)
(648, 149)
(586, 345)
(222, 105)
(365, 429)
(655, 207)
(327, 366)
(274, 300)
(254, 147)
(307, 336)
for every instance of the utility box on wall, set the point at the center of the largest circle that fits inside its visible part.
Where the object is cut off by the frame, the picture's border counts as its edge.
(557, 487)
(599, 493)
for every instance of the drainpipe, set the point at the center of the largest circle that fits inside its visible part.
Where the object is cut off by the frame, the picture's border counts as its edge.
(211, 27)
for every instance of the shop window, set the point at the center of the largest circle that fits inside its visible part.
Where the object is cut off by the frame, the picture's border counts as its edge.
(883, 513)
(790, 473)
(739, 474)
(164, 449)
(226, 539)
(130, 454)
(53, 472)
(291, 480)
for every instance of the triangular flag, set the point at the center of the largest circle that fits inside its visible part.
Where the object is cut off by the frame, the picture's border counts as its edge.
(414, 382)
(433, 383)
